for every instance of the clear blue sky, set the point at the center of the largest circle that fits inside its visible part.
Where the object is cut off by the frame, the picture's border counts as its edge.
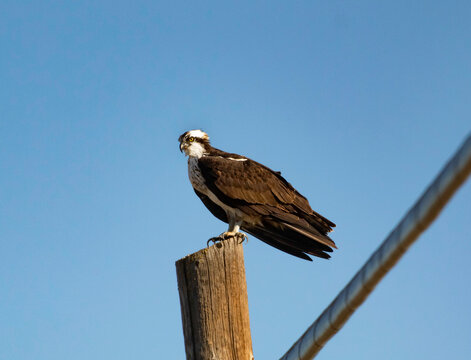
(359, 103)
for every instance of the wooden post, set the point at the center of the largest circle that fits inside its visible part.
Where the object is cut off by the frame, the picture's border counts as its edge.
(214, 305)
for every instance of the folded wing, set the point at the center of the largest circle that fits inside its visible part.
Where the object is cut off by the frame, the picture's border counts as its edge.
(285, 218)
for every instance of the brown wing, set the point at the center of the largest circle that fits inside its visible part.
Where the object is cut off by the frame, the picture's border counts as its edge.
(250, 182)
(258, 190)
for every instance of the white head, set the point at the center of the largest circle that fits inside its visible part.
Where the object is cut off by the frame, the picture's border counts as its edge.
(195, 143)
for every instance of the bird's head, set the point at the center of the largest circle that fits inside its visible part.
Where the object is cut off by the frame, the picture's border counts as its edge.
(194, 143)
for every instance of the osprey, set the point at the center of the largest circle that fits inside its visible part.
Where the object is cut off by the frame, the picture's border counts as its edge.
(249, 196)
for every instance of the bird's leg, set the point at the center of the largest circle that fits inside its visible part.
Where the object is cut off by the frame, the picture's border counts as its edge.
(241, 237)
(232, 232)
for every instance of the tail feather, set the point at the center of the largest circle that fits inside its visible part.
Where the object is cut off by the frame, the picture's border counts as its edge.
(269, 239)
(302, 226)
(323, 239)
(292, 240)
(316, 219)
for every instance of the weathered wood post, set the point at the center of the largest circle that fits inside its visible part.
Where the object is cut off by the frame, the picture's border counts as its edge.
(214, 305)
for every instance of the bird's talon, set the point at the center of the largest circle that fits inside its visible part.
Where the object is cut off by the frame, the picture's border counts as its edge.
(215, 240)
(242, 237)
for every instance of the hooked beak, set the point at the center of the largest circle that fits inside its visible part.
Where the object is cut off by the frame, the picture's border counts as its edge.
(182, 146)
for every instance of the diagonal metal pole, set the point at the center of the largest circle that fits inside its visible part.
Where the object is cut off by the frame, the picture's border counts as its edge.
(419, 217)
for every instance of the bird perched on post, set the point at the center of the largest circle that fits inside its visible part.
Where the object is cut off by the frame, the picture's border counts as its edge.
(249, 196)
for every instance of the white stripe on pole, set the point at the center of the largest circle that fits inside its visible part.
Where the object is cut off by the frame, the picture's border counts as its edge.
(419, 217)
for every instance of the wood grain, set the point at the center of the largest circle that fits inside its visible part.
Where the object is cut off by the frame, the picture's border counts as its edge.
(214, 305)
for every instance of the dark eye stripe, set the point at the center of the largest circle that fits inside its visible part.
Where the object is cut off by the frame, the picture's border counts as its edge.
(195, 139)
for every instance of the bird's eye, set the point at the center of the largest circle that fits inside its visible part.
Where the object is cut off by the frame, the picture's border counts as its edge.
(191, 139)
